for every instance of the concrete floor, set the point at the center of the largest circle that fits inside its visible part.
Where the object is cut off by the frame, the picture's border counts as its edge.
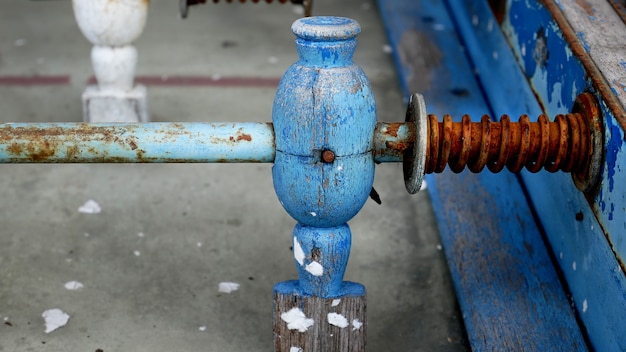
(167, 235)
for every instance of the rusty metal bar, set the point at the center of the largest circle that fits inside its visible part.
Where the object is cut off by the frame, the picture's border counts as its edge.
(391, 140)
(165, 142)
(136, 143)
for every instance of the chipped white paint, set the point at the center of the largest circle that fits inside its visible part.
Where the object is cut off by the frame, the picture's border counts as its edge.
(140, 234)
(296, 320)
(228, 287)
(202, 328)
(574, 266)
(340, 168)
(54, 319)
(335, 302)
(136, 253)
(73, 285)
(585, 306)
(387, 49)
(295, 349)
(112, 26)
(315, 268)
(439, 247)
(313, 214)
(298, 253)
(90, 207)
(337, 320)
(356, 324)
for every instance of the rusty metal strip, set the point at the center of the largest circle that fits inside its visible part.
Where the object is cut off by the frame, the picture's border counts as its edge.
(591, 68)
(620, 8)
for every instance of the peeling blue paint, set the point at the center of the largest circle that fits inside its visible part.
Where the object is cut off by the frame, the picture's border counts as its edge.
(614, 145)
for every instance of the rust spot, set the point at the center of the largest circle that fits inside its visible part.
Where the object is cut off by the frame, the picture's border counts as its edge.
(244, 137)
(392, 129)
(585, 5)
(400, 147)
(15, 149)
(132, 144)
(72, 152)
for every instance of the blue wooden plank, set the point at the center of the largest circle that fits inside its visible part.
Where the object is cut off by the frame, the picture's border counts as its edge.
(593, 273)
(506, 284)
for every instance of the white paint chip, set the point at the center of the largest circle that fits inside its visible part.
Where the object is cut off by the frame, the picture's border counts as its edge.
(202, 328)
(298, 253)
(315, 268)
(337, 320)
(387, 49)
(228, 287)
(574, 266)
(296, 320)
(356, 324)
(335, 302)
(313, 214)
(55, 318)
(137, 253)
(439, 247)
(585, 306)
(74, 285)
(298, 10)
(140, 234)
(90, 207)
(295, 349)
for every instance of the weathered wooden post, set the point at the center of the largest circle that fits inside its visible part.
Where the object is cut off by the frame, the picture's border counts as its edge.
(112, 26)
(324, 120)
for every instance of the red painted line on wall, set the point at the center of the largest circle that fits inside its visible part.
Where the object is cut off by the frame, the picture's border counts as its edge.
(205, 81)
(163, 80)
(36, 80)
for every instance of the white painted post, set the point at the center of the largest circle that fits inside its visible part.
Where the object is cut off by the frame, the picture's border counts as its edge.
(111, 26)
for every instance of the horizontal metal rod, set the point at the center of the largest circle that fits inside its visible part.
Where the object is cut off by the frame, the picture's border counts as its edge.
(391, 140)
(157, 142)
(137, 143)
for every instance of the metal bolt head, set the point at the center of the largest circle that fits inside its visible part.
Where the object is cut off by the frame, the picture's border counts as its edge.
(328, 156)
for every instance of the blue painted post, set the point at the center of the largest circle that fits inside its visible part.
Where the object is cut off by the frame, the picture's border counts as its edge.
(324, 120)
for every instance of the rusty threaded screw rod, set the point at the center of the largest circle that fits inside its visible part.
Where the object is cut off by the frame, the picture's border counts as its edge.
(184, 4)
(571, 143)
(560, 145)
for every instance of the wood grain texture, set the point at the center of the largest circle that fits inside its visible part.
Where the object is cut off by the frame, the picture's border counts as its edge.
(322, 336)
